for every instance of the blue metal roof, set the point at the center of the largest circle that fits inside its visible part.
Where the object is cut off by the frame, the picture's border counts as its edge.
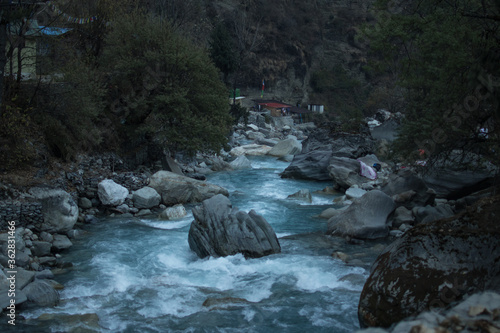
(53, 31)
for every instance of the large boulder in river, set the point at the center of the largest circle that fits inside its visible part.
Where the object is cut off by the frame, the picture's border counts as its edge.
(434, 265)
(366, 218)
(176, 189)
(290, 146)
(312, 165)
(59, 210)
(146, 197)
(346, 172)
(111, 193)
(219, 230)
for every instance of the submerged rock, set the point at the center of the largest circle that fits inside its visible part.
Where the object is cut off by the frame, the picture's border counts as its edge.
(224, 303)
(303, 194)
(433, 265)
(219, 230)
(88, 322)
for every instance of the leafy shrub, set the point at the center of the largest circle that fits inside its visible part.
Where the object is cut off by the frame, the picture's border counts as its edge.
(16, 137)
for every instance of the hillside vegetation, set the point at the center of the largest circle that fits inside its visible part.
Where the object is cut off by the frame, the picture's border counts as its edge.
(144, 77)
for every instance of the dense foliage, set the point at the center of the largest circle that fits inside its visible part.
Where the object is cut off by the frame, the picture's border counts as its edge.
(165, 87)
(128, 81)
(222, 50)
(343, 95)
(445, 56)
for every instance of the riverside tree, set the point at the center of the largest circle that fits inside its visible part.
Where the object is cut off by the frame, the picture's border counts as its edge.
(445, 55)
(163, 88)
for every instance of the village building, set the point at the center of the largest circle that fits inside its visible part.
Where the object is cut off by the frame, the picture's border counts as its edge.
(30, 49)
(280, 109)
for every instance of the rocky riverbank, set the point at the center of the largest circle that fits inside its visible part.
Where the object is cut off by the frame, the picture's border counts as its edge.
(378, 199)
(49, 207)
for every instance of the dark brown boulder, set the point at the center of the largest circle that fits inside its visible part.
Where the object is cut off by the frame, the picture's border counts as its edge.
(434, 265)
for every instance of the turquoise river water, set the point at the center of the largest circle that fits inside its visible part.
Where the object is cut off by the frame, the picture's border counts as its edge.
(139, 275)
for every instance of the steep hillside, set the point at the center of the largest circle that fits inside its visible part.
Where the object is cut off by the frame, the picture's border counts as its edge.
(295, 39)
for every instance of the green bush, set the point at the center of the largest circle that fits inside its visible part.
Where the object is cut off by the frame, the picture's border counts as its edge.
(16, 137)
(164, 86)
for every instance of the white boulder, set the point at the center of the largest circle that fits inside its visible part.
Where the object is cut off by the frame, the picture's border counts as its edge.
(111, 193)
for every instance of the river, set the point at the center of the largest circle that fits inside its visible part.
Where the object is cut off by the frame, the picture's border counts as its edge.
(139, 275)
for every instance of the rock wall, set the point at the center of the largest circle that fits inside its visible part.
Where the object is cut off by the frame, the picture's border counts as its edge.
(24, 213)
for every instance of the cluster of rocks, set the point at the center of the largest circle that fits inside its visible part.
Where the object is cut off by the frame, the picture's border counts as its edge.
(477, 313)
(218, 228)
(438, 257)
(47, 217)
(35, 258)
(277, 137)
(433, 265)
(31, 212)
(395, 202)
